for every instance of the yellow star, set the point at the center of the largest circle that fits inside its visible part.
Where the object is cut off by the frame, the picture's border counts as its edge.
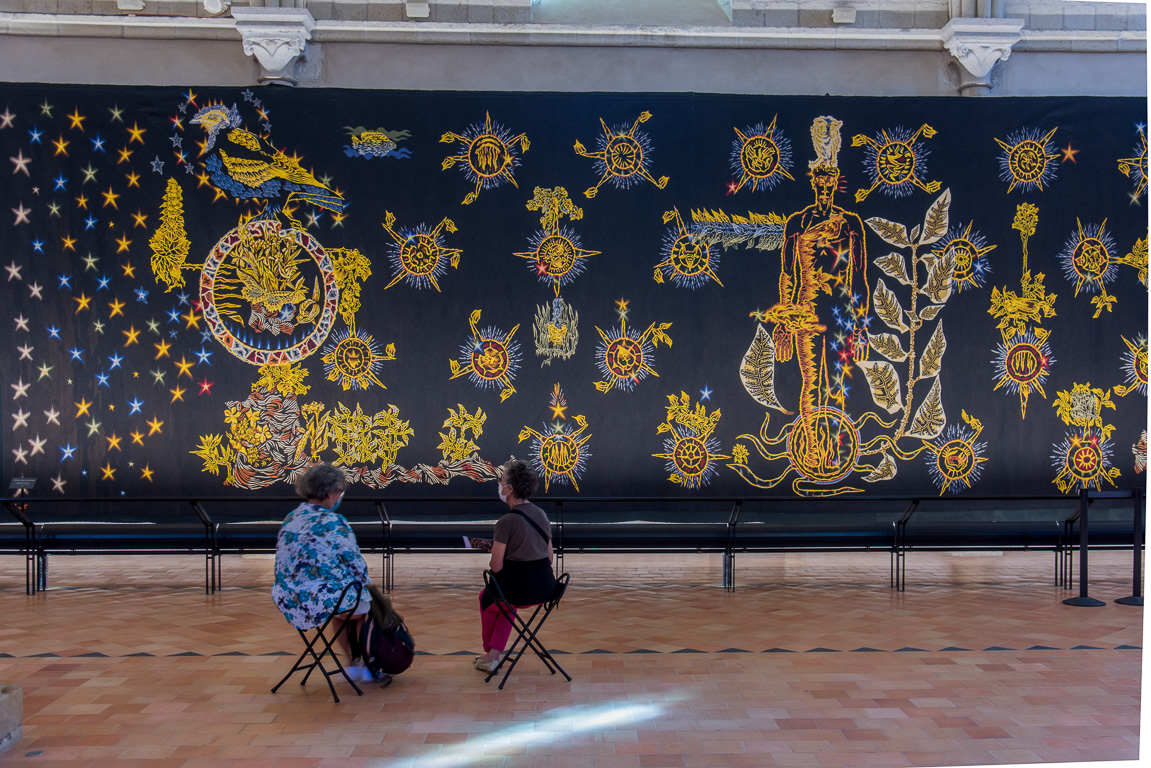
(137, 133)
(132, 335)
(178, 393)
(77, 119)
(193, 320)
(202, 179)
(137, 437)
(109, 473)
(61, 146)
(110, 198)
(82, 408)
(162, 349)
(113, 442)
(185, 367)
(83, 301)
(117, 308)
(125, 155)
(68, 243)
(122, 243)
(558, 411)
(140, 218)
(82, 202)
(338, 219)
(146, 474)
(133, 179)
(155, 425)
(1069, 154)
(129, 270)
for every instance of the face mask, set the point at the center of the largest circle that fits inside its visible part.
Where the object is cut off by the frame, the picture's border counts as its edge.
(339, 501)
(503, 496)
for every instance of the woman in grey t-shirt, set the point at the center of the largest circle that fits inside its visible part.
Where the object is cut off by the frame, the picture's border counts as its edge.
(521, 560)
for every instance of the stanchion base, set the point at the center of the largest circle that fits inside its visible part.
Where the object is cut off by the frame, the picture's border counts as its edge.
(1133, 600)
(1086, 601)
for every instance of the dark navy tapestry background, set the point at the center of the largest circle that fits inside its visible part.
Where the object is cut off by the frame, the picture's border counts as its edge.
(209, 290)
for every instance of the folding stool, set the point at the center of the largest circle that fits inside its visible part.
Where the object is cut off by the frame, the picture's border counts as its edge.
(320, 637)
(526, 631)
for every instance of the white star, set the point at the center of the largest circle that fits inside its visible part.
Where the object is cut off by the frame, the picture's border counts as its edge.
(21, 389)
(6, 118)
(21, 323)
(21, 163)
(21, 455)
(35, 288)
(22, 214)
(58, 483)
(53, 415)
(26, 352)
(14, 271)
(37, 445)
(21, 419)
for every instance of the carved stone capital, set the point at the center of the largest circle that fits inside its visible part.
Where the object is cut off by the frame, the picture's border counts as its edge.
(276, 37)
(978, 45)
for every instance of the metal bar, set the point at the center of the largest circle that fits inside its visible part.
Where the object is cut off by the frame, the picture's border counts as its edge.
(1084, 599)
(388, 554)
(729, 550)
(559, 551)
(1136, 597)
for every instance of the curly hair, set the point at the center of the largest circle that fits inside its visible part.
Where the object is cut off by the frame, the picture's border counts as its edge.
(320, 481)
(520, 478)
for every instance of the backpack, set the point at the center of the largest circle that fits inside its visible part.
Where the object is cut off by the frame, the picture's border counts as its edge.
(384, 642)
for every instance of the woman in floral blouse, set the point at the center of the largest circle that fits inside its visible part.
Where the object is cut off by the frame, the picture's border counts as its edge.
(316, 557)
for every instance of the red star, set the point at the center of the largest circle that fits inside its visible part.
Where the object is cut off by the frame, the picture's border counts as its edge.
(541, 268)
(196, 305)
(206, 386)
(732, 187)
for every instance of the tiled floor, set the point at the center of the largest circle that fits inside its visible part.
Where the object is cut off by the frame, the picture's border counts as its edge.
(813, 660)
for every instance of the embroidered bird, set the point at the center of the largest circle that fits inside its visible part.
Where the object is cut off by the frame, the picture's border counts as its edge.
(248, 166)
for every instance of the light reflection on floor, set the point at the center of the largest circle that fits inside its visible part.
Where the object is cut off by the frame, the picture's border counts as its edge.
(567, 720)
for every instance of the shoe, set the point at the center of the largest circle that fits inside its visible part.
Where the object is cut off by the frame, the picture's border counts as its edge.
(487, 666)
(384, 679)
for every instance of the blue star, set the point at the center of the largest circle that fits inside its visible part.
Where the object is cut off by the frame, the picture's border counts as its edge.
(67, 450)
(65, 281)
(183, 297)
(705, 393)
(54, 332)
(38, 246)
(103, 282)
(188, 168)
(205, 335)
(34, 135)
(141, 295)
(174, 315)
(116, 360)
(177, 141)
(846, 389)
(855, 298)
(83, 473)
(102, 380)
(77, 354)
(247, 95)
(1139, 126)
(97, 144)
(173, 332)
(183, 108)
(60, 182)
(135, 405)
(204, 354)
(89, 223)
(158, 165)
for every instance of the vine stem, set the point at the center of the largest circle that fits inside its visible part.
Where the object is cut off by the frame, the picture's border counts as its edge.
(913, 325)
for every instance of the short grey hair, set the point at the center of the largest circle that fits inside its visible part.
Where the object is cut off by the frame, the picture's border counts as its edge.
(320, 481)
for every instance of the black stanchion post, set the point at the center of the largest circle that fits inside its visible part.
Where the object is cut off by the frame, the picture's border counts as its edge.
(1083, 598)
(1136, 597)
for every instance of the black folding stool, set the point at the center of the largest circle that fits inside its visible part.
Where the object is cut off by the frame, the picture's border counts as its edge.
(320, 637)
(527, 631)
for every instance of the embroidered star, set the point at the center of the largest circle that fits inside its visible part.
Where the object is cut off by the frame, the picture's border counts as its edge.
(14, 271)
(58, 483)
(21, 419)
(185, 367)
(146, 473)
(53, 416)
(82, 408)
(6, 118)
(154, 426)
(115, 359)
(206, 386)
(21, 454)
(35, 289)
(204, 355)
(135, 404)
(21, 323)
(705, 393)
(109, 472)
(21, 163)
(37, 445)
(67, 450)
(21, 214)
(113, 442)
(26, 352)
(45, 371)
(137, 437)
(21, 389)
(93, 427)
(178, 393)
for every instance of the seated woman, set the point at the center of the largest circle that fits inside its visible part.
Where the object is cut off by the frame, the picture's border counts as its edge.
(521, 560)
(316, 557)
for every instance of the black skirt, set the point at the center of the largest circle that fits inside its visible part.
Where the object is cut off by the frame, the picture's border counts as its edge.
(524, 582)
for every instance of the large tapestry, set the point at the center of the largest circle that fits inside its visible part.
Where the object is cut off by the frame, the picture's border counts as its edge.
(208, 290)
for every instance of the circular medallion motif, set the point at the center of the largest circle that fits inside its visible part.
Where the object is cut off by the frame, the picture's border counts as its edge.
(1027, 161)
(490, 360)
(1024, 363)
(759, 156)
(624, 357)
(824, 450)
(559, 454)
(624, 156)
(895, 163)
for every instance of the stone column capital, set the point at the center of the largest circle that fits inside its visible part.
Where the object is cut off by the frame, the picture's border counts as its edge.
(978, 45)
(276, 37)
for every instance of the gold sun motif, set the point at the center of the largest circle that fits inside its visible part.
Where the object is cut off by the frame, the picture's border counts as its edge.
(418, 255)
(688, 260)
(488, 358)
(488, 155)
(623, 157)
(354, 360)
(625, 359)
(1028, 159)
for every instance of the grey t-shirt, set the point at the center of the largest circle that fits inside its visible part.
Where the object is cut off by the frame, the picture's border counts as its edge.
(523, 542)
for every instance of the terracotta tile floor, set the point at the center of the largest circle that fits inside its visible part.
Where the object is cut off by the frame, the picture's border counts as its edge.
(813, 660)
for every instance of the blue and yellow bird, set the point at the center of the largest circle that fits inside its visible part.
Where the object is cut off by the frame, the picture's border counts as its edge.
(248, 166)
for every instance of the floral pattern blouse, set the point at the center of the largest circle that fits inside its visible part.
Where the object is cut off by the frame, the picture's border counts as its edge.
(316, 557)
